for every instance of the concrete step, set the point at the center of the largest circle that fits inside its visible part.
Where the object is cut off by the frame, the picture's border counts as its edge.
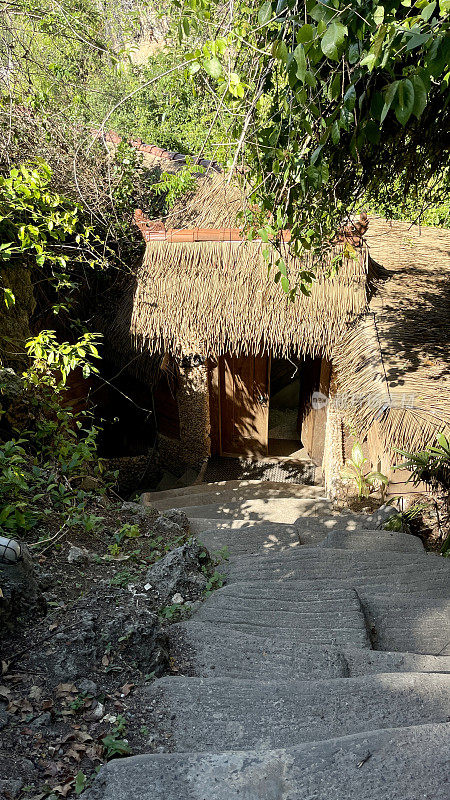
(270, 537)
(237, 495)
(405, 624)
(286, 509)
(369, 540)
(380, 573)
(204, 650)
(218, 714)
(408, 763)
(334, 617)
(224, 486)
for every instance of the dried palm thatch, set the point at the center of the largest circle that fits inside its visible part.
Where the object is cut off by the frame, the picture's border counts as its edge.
(394, 365)
(211, 298)
(214, 204)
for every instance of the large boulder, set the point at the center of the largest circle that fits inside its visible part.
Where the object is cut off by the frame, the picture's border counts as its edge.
(182, 571)
(20, 595)
(116, 622)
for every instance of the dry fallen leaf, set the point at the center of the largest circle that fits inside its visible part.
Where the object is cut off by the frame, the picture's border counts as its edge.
(66, 688)
(5, 667)
(5, 692)
(83, 737)
(73, 754)
(126, 689)
(35, 693)
(105, 661)
(47, 705)
(63, 790)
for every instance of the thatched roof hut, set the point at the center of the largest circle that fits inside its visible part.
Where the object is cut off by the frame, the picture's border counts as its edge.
(202, 302)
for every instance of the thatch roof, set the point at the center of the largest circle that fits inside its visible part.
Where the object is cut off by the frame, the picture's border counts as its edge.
(394, 365)
(214, 297)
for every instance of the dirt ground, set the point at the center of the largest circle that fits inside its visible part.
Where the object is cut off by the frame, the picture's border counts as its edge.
(70, 681)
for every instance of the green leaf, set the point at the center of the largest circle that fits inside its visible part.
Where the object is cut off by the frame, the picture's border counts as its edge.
(405, 101)
(335, 132)
(334, 89)
(357, 455)
(213, 67)
(420, 96)
(428, 11)
(280, 51)
(263, 235)
(265, 13)
(378, 15)
(300, 58)
(80, 782)
(8, 297)
(285, 285)
(391, 91)
(350, 98)
(305, 34)
(333, 39)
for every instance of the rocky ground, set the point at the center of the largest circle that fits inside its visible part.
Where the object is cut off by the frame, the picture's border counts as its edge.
(92, 632)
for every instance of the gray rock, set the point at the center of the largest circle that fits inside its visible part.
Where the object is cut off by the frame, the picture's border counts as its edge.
(180, 571)
(162, 526)
(78, 555)
(108, 617)
(11, 385)
(10, 788)
(41, 721)
(21, 593)
(379, 517)
(179, 517)
(135, 508)
(87, 686)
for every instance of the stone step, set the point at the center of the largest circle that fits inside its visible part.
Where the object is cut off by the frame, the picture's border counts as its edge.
(311, 530)
(224, 486)
(285, 509)
(270, 537)
(334, 617)
(204, 650)
(217, 714)
(368, 540)
(409, 763)
(224, 497)
(381, 573)
(404, 624)
(276, 537)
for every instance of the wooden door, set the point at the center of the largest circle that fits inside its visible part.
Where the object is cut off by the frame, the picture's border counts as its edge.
(244, 405)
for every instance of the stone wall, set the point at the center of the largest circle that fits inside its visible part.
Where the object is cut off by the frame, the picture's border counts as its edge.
(194, 444)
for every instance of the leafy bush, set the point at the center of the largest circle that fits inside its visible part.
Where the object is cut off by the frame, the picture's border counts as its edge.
(432, 466)
(42, 469)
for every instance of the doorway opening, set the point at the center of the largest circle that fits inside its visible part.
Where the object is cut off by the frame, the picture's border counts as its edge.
(285, 419)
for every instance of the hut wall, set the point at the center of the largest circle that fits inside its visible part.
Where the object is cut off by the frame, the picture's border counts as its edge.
(333, 453)
(193, 444)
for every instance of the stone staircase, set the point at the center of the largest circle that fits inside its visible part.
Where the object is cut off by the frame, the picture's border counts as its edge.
(320, 671)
